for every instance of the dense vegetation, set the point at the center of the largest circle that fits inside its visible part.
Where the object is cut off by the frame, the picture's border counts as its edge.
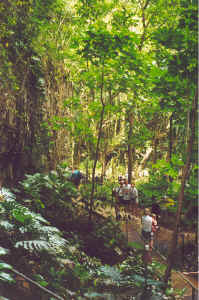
(109, 87)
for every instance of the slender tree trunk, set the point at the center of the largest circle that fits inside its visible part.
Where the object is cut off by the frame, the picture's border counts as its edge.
(144, 23)
(76, 153)
(104, 166)
(155, 147)
(171, 257)
(170, 138)
(130, 147)
(97, 147)
(170, 150)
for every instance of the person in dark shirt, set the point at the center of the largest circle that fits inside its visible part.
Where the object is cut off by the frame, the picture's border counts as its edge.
(76, 177)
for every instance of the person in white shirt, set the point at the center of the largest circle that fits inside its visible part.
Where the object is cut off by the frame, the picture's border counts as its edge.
(146, 222)
(127, 192)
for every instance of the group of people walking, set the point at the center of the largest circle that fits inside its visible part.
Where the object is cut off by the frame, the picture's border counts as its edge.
(126, 196)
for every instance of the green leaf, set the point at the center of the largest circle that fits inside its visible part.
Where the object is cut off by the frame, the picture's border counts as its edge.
(92, 295)
(40, 279)
(142, 279)
(111, 272)
(3, 251)
(21, 216)
(6, 277)
(5, 266)
(136, 245)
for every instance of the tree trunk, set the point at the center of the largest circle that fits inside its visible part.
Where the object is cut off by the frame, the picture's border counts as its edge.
(130, 146)
(155, 147)
(97, 147)
(171, 256)
(170, 138)
(170, 142)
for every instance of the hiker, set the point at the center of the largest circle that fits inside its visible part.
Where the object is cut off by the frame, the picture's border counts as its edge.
(154, 229)
(117, 193)
(146, 222)
(76, 177)
(130, 197)
(127, 192)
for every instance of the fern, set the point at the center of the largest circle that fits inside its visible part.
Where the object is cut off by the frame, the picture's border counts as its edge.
(4, 276)
(58, 243)
(6, 194)
(4, 251)
(6, 225)
(33, 245)
(111, 272)
(30, 230)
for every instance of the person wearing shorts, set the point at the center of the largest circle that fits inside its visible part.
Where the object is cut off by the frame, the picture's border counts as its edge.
(126, 201)
(146, 222)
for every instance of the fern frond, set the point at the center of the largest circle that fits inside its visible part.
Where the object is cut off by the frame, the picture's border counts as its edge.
(6, 277)
(4, 251)
(6, 194)
(38, 217)
(34, 245)
(48, 230)
(111, 272)
(58, 242)
(6, 225)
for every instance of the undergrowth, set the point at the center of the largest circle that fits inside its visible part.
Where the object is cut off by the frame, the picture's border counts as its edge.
(54, 259)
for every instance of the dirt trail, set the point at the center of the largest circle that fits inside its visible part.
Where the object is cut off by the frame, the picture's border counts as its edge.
(178, 279)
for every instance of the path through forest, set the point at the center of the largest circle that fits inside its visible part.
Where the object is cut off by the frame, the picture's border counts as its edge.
(179, 280)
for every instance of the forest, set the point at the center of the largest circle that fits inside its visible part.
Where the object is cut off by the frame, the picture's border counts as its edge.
(109, 88)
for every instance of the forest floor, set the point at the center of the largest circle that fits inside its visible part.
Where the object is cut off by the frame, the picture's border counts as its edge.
(179, 281)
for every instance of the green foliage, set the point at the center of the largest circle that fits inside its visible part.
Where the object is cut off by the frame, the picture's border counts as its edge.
(4, 276)
(75, 280)
(111, 272)
(27, 229)
(156, 186)
(43, 191)
(136, 245)
(102, 196)
(160, 184)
